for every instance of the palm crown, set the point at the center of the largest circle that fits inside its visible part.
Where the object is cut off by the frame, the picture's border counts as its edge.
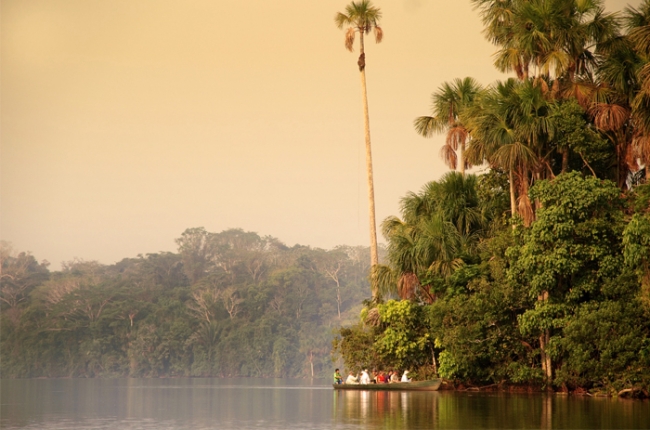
(360, 17)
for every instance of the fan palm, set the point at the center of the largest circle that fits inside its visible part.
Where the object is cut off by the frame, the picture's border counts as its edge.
(448, 103)
(362, 17)
(439, 226)
(547, 37)
(509, 126)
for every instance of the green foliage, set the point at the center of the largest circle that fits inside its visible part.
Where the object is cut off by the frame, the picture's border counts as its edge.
(562, 281)
(605, 344)
(356, 346)
(636, 240)
(588, 148)
(229, 304)
(575, 242)
(641, 198)
(571, 258)
(404, 341)
(477, 334)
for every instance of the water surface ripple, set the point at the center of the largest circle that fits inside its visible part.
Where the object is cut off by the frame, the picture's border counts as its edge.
(269, 404)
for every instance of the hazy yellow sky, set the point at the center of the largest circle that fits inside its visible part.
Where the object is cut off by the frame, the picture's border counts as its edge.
(124, 122)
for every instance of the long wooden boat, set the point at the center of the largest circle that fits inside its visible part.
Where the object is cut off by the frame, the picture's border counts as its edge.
(431, 385)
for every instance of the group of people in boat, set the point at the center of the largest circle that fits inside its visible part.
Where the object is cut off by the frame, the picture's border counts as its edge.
(379, 377)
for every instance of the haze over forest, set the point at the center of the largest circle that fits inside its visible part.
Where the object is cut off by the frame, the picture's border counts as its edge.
(124, 123)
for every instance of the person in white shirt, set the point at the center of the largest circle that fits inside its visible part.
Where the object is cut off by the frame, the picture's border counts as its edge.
(365, 378)
(352, 379)
(405, 377)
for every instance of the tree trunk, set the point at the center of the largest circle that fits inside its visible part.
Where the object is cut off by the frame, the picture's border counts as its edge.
(565, 159)
(374, 256)
(461, 156)
(544, 340)
(434, 362)
(338, 299)
(513, 201)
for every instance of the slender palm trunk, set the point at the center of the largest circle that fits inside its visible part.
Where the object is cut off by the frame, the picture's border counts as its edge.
(374, 256)
(513, 203)
(461, 156)
(544, 340)
(565, 159)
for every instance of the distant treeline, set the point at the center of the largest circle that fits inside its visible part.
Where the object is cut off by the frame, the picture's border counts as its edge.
(227, 304)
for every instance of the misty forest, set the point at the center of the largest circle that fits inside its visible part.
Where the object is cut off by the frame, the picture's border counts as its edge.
(227, 304)
(534, 272)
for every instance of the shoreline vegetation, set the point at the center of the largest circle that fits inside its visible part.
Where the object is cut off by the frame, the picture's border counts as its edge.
(534, 275)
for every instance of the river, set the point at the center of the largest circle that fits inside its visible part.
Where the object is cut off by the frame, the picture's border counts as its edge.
(292, 404)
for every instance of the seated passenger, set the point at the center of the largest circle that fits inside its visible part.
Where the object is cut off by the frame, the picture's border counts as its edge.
(405, 377)
(352, 379)
(365, 378)
(338, 379)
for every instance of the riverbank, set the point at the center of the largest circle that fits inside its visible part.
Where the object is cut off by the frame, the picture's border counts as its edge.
(630, 393)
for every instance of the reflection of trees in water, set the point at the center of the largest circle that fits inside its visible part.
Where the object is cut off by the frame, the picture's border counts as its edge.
(402, 410)
(547, 413)
(388, 408)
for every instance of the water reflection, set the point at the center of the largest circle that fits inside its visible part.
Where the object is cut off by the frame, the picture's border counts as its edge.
(447, 410)
(287, 404)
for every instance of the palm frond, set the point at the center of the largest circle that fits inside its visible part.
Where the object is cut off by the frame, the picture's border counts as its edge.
(555, 62)
(609, 116)
(407, 285)
(386, 280)
(349, 39)
(446, 268)
(372, 318)
(379, 34)
(640, 36)
(391, 226)
(513, 156)
(427, 125)
(342, 20)
(449, 156)
(456, 136)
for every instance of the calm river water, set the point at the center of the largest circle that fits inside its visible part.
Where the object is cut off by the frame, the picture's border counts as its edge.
(292, 404)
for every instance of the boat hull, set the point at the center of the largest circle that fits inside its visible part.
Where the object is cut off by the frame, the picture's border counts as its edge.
(431, 385)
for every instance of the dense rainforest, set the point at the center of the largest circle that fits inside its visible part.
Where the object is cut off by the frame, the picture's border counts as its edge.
(226, 304)
(536, 272)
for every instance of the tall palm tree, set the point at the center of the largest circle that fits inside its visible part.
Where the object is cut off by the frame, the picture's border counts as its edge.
(447, 105)
(510, 126)
(362, 17)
